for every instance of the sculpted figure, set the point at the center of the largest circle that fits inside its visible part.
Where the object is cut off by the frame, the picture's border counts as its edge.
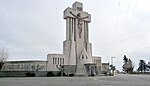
(80, 21)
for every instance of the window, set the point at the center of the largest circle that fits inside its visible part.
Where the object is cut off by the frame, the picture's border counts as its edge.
(58, 60)
(86, 57)
(53, 60)
(63, 60)
(82, 57)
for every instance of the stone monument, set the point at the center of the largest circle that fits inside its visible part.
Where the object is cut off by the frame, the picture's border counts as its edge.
(77, 51)
(77, 47)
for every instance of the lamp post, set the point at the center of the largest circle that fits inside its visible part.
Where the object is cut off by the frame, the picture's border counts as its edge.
(112, 60)
(112, 67)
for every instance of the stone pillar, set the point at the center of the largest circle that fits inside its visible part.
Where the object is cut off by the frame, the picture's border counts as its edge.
(67, 29)
(70, 29)
(73, 29)
(87, 30)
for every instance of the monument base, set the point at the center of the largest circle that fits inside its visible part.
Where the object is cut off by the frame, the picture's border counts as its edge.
(81, 70)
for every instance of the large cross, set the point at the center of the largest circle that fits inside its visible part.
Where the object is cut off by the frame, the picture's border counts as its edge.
(77, 47)
(77, 8)
(77, 13)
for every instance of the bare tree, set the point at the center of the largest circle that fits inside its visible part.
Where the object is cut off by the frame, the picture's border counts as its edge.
(3, 57)
(37, 67)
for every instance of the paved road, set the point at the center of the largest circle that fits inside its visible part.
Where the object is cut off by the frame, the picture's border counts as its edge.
(118, 80)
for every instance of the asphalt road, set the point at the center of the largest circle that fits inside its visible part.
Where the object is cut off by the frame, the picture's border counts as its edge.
(117, 80)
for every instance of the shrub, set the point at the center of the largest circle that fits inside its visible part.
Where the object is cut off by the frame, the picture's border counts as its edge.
(71, 75)
(50, 74)
(30, 74)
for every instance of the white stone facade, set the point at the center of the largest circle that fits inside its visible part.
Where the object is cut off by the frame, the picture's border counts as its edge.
(54, 60)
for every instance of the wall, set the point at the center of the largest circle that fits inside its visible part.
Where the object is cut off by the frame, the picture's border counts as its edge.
(25, 66)
(97, 60)
(54, 61)
(23, 73)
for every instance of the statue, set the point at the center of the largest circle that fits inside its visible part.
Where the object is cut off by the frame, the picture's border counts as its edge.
(80, 21)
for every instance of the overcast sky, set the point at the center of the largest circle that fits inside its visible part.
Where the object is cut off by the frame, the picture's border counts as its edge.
(31, 29)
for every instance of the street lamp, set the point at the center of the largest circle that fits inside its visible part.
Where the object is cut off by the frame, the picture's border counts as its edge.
(112, 60)
(112, 67)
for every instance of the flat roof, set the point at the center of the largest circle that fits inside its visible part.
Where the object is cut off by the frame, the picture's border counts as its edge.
(25, 61)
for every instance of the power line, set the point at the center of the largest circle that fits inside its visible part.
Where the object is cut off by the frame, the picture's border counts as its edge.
(133, 12)
(121, 41)
(127, 35)
(116, 24)
(126, 14)
(117, 16)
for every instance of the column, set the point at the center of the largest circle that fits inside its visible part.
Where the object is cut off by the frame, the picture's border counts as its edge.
(67, 29)
(70, 36)
(72, 29)
(87, 31)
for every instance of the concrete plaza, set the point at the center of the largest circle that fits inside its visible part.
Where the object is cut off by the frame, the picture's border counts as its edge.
(117, 80)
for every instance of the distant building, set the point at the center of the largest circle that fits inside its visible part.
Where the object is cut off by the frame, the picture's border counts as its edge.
(97, 60)
(105, 68)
